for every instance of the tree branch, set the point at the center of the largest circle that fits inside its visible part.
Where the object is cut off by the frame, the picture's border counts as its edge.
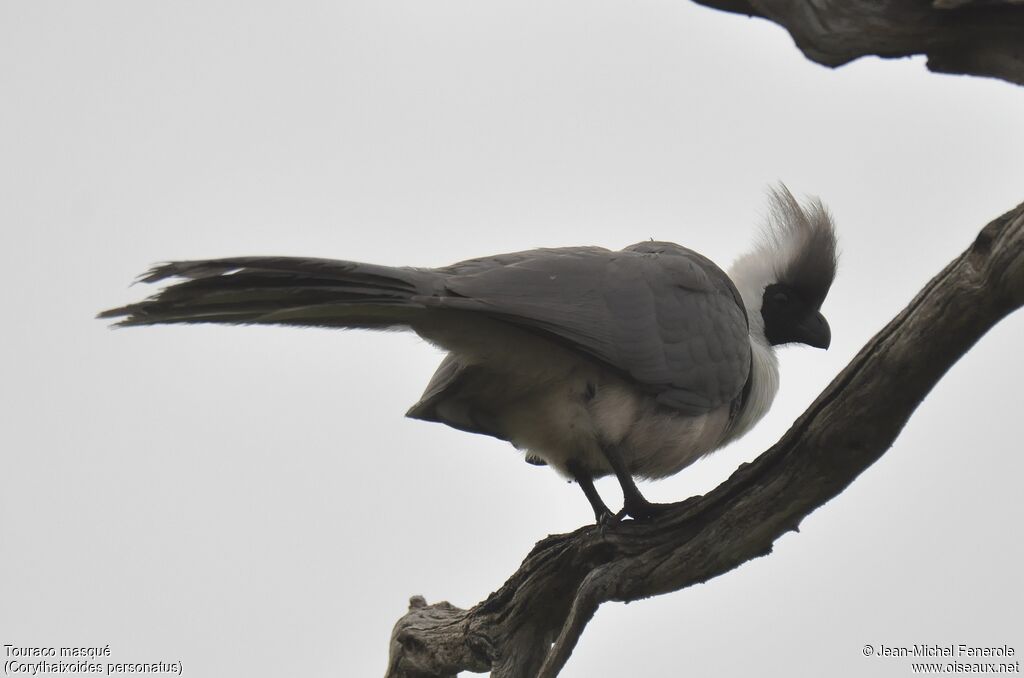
(968, 37)
(530, 625)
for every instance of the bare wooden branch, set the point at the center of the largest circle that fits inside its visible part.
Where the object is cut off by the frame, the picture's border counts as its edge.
(530, 625)
(969, 37)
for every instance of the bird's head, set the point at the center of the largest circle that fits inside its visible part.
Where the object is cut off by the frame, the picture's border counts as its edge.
(784, 279)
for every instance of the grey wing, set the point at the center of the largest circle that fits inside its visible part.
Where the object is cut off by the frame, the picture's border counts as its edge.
(663, 315)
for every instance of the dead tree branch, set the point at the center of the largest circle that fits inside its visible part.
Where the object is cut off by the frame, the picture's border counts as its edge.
(967, 37)
(530, 625)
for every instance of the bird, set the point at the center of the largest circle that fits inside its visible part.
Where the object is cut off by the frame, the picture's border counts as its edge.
(633, 363)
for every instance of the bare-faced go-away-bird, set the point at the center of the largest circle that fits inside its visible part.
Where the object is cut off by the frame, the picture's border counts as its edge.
(633, 363)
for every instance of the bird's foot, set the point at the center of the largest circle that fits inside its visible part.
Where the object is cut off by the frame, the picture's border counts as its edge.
(639, 508)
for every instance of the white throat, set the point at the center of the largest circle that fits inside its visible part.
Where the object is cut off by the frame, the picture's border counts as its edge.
(764, 384)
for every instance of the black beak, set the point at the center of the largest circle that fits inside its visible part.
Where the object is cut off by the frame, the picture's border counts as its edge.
(814, 331)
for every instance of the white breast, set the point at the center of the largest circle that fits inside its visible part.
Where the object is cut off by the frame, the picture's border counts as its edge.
(763, 387)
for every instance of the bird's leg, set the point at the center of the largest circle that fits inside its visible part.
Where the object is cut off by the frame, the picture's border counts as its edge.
(634, 503)
(585, 480)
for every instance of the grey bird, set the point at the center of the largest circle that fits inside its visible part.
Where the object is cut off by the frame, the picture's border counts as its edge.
(594, 362)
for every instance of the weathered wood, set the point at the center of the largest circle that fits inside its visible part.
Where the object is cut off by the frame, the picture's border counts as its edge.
(969, 37)
(530, 625)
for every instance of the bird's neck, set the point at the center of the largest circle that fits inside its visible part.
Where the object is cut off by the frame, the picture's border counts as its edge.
(764, 384)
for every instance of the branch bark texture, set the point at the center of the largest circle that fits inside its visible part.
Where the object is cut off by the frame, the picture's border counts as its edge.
(530, 625)
(969, 37)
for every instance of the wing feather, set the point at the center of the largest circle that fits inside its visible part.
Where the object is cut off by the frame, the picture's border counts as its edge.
(664, 315)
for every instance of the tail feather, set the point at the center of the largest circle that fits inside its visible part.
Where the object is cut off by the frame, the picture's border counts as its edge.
(280, 290)
(329, 269)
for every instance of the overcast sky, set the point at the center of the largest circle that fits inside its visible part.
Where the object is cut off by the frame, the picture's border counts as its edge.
(251, 502)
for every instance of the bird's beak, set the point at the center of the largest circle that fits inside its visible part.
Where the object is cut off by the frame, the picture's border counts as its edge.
(814, 331)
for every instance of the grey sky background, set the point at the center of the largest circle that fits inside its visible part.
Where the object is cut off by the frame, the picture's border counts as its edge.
(251, 501)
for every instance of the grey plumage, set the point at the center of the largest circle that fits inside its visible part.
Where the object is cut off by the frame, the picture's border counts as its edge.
(657, 313)
(634, 362)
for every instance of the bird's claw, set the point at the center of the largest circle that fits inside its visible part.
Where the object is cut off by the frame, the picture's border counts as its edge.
(641, 509)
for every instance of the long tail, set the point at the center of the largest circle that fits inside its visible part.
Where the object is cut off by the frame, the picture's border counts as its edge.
(281, 290)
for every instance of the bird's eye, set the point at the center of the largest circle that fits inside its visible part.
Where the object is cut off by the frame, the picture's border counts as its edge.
(780, 298)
